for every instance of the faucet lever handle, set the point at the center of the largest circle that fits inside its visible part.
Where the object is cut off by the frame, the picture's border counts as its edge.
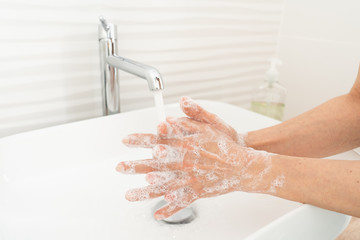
(104, 23)
(106, 30)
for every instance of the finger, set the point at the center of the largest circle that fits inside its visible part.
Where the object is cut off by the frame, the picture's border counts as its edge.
(146, 166)
(180, 127)
(196, 112)
(145, 140)
(187, 126)
(159, 151)
(166, 153)
(154, 191)
(148, 192)
(165, 177)
(167, 130)
(167, 211)
(160, 177)
(178, 143)
(177, 200)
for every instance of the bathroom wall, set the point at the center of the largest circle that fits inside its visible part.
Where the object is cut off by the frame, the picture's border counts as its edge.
(320, 49)
(49, 66)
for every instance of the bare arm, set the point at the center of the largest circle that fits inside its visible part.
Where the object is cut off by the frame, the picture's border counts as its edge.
(328, 129)
(331, 128)
(329, 184)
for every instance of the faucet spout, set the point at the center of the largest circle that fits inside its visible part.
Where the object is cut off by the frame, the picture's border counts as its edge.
(110, 63)
(141, 70)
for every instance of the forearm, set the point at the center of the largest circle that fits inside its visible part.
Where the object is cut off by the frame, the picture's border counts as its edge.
(329, 184)
(328, 129)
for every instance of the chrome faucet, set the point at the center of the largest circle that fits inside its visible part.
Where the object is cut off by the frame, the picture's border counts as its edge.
(110, 63)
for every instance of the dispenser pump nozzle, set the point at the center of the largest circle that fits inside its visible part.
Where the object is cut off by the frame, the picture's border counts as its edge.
(272, 74)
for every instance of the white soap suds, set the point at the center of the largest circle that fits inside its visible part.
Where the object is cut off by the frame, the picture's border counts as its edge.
(223, 146)
(241, 139)
(137, 195)
(224, 186)
(181, 198)
(162, 177)
(129, 168)
(145, 141)
(188, 103)
(277, 183)
(166, 154)
(211, 177)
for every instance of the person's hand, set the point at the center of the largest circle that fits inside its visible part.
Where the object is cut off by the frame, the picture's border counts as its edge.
(193, 160)
(196, 112)
(198, 121)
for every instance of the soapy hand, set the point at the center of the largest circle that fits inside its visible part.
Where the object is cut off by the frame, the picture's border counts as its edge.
(196, 166)
(196, 112)
(197, 121)
(195, 159)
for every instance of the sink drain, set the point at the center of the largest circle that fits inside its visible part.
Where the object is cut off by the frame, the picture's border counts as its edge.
(182, 217)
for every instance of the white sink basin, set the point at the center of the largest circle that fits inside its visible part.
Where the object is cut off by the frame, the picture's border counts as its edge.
(61, 183)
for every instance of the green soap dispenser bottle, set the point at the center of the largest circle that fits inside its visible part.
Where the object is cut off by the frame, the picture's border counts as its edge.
(269, 97)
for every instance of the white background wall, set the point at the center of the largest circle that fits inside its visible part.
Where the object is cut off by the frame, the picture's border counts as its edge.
(49, 66)
(320, 50)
